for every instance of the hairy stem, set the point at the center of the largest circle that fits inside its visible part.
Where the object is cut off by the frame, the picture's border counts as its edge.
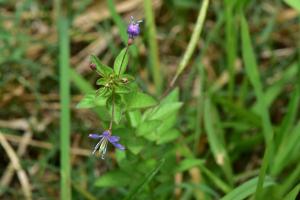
(113, 94)
(112, 112)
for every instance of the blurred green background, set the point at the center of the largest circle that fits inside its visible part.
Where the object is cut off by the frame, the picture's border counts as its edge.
(240, 92)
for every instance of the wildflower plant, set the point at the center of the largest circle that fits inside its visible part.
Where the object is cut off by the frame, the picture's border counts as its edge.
(125, 109)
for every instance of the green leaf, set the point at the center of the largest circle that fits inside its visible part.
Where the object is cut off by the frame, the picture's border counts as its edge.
(126, 77)
(292, 195)
(252, 72)
(294, 4)
(112, 179)
(138, 100)
(102, 69)
(172, 97)
(147, 127)
(168, 136)
(122, 89)
(135, 144)
(134, 117)
(102, 81)
(90, 100)
(246, 189)
(87, 101)
(189, 163)
(216, 139)
(285, 150)
(145, 181)
(118, 110)
(165, 110)
(121, 62)
(167, 124)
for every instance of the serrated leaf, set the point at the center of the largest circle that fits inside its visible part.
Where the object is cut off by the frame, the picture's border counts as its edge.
(121, 62)
(102, 69)
(113, 178)
(136, 100)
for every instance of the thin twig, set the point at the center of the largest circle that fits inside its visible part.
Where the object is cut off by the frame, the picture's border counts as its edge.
(112, 112)
(46, 145)
(16, 164)
(9, 171)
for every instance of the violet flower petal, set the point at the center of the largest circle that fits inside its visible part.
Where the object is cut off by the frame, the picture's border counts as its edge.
(119, 146)
(95, 136)
(113, 139)
(106, 133)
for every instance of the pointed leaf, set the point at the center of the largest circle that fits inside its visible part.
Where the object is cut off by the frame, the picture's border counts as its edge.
(246, 189)
(139, 100)
(113, 178)
(121, 62)
(102, 69)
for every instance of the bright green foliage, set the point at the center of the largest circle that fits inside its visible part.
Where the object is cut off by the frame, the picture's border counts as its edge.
(246, 189)
(294, 4)
(121, 62)
(102, 69)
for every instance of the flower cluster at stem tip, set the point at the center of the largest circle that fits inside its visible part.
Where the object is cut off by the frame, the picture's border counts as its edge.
(133, 30)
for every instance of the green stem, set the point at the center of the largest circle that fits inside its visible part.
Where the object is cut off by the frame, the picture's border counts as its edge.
(112, 112)
(64, 54)
(113, 93)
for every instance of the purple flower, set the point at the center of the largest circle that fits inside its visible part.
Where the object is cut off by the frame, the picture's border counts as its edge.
(104, 138)
(133, 28)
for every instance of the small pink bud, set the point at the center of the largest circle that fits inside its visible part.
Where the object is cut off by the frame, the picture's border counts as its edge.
(93, 66)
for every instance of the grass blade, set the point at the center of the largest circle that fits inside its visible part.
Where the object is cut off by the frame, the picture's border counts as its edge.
(253, 74)
(153, 48)
(193, 42)
(292, 195)
(64, 70)
(147, 179)
(246, 189)
(216, 140)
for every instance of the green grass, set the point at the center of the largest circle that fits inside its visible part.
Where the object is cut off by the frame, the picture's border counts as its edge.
(230, 129)
(65, 113)
(253, 74)
(153, 46)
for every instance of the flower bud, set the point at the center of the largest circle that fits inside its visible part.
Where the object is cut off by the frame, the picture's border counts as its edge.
(93, 66)
(133, 28)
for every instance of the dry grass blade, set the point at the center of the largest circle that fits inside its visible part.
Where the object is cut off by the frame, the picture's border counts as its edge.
(16, 164)
(9, 171)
